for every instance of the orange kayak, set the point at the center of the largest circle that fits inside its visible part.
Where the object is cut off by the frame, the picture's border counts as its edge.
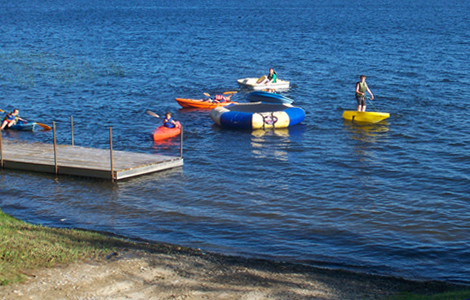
(163, 133)
(194, 103)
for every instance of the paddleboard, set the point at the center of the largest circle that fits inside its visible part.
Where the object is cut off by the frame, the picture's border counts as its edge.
(366, 116)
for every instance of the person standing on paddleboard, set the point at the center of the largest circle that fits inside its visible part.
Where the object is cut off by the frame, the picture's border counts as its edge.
(361, 89)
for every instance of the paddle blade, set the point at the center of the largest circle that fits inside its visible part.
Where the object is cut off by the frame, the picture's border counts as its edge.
(44, 126)
(206, 94)
(227, 93)
(152, 114)
(1, 110)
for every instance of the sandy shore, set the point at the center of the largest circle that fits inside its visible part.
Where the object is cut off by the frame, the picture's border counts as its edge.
(174, 272)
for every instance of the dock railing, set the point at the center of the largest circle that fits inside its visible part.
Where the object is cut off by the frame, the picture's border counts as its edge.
(113, 174)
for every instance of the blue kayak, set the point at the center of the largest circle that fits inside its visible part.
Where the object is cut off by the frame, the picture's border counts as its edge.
(266, 97)
(23, 126)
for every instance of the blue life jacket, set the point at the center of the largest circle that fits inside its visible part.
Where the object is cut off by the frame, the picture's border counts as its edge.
(167, 123)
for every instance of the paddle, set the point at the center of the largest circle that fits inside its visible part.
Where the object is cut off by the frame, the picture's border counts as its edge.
(224, 93)
(44, 126)
(370, 101)
(156, 116)
(152, 114)
(262, 78)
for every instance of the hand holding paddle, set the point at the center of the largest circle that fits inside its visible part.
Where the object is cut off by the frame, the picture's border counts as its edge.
(370, 101)
(224, 93)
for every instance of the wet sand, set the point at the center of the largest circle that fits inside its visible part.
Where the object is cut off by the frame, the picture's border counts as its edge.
(172, 272)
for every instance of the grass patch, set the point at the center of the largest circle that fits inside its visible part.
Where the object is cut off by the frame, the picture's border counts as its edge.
(25, 247)
(456, 295)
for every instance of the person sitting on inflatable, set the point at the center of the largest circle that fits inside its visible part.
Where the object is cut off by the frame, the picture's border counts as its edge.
(169, 122)
(11, 119)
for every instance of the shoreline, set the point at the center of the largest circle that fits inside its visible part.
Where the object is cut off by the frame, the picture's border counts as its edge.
(143, 270)
(176, 248)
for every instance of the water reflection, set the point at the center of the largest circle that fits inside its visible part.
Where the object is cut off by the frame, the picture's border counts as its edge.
(366, 132)
(284, 132)
(270, 143)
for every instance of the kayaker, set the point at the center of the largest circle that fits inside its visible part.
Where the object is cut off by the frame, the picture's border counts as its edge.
(271, 78)
(220, 99)
(361, 89)
(11, 119)
(169, 122)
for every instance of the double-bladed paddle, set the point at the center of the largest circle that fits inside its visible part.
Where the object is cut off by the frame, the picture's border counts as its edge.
(224, 93)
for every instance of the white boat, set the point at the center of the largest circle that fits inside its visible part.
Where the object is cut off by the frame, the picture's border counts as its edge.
(251, 84)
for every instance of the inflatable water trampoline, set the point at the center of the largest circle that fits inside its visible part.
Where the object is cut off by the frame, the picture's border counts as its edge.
(257, 115)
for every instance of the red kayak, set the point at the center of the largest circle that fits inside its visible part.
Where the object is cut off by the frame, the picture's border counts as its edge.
(163, 133)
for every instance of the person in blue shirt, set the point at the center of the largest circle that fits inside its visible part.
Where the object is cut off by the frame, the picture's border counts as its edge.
(169, 122)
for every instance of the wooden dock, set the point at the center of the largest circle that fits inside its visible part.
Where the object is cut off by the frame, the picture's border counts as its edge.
(82, 161)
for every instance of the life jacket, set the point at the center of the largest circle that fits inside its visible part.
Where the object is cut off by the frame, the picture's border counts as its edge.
(273, 75)
(220, 98)
(10, 117)
(167, 123)
(362, 87)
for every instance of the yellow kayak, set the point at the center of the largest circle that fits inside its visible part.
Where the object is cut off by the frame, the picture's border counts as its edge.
(366, 116)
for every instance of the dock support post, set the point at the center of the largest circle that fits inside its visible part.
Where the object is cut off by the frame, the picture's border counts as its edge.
(1, 151)
(55, 149)
(71, 125)
(181, 142)
(111, 152)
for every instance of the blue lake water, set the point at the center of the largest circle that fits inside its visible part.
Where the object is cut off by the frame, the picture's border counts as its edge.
(391, 198)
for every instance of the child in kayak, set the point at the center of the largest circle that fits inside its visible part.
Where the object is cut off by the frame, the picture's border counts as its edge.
(222, 99)
(169, 122)
(219, 99)
(11, 119)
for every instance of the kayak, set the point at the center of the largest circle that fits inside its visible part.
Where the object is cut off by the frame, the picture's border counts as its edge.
(267, 97)
(367, 116)
(23, 126)
(251, 84)
(163, 133)
(195, 103)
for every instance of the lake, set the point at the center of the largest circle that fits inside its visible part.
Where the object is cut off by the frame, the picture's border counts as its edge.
(390, 198)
